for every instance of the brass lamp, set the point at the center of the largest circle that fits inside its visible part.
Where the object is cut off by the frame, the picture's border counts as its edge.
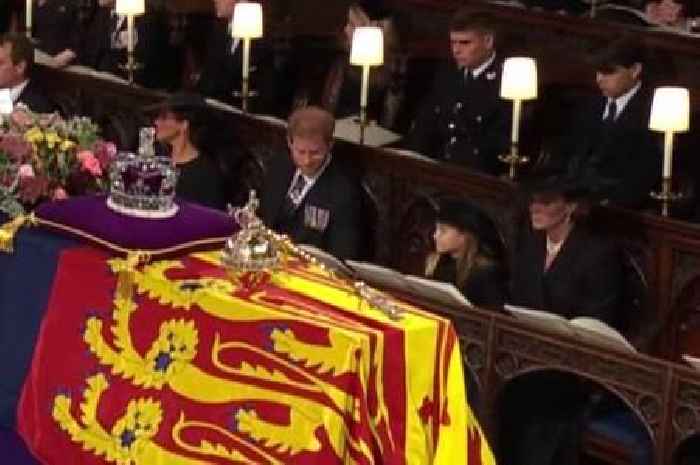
(130, 9)
(247, 24)
(367, 50)
(518, 83)
(670, 113)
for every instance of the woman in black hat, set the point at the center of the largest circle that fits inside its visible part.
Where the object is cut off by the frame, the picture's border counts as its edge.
(560, 266)
(181, 123)
(468, 250)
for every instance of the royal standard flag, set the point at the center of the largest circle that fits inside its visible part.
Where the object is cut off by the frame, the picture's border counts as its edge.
(176, 362)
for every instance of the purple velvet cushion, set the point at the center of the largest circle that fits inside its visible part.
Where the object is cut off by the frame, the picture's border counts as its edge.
(89, 218)
(13, 450)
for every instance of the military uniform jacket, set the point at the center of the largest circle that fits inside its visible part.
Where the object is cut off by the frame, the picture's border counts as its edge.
(329, 216)
(464, 122)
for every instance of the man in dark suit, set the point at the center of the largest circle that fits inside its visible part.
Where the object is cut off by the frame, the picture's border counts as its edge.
(611, 141)
(309, 195)
(222, 69)
(16, 65)
(464, 120)
(105, 45)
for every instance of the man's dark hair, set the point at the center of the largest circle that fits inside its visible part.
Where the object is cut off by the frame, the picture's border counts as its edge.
(624, 52)
(464, 20)
(22, 50)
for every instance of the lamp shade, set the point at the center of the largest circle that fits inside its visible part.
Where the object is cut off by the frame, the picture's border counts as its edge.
(247, 20)
(367, 46)
(670, 109)
(519, 78)
(130, 7)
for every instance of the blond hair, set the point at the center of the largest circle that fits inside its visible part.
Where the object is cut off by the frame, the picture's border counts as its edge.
(468, 259)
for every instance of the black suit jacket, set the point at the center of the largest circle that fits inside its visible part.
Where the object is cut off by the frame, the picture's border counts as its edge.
(336, 193)
(35, 99)
(585, 278)
(464, 124)
(56, 26)
(151, 51)
(222, 71)
(623, 158)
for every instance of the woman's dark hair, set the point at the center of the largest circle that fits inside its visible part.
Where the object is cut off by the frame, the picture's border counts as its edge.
(199, 123)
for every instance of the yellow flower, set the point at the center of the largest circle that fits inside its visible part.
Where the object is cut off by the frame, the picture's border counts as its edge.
(52, 139)
(66, 145)
(34, 135)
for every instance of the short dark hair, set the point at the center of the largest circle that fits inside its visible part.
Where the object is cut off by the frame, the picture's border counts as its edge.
(311, 121)
(22, 50)
(624, 52)
(464, 20)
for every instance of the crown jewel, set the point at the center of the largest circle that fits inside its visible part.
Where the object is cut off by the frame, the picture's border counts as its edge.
(143, 185)
(254, 248)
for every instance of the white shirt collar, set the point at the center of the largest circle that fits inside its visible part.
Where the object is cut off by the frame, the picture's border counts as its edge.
(310, 180)
(17, 90)
(476, 72)
(622, 101)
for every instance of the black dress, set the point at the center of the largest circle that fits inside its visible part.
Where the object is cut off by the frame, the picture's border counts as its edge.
(484, 287)
(200, 181)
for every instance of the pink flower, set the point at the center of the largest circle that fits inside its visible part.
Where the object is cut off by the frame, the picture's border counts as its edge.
(105, 152)
(59, 194)
(84, 155)
(26, 171)
(21, 117)
(89, 163)
(111, 149)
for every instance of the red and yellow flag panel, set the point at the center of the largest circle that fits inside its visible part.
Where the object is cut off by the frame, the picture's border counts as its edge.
(176, 363)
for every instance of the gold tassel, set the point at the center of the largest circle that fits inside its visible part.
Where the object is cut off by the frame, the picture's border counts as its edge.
(9, 230)
(126, 277)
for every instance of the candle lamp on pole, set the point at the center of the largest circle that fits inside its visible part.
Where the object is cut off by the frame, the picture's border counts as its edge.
(367, 50)
(247, 24)
(130, 9)
(670, 113)
(28, 19)
(518, 83)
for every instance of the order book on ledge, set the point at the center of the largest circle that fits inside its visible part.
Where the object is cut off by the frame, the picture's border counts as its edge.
(588, 329)
(585, 328)
(434, 291)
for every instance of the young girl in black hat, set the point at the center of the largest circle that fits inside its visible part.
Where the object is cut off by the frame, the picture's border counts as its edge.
(468, 253)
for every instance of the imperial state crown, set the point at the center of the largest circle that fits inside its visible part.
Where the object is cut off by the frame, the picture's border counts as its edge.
(143, 185)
